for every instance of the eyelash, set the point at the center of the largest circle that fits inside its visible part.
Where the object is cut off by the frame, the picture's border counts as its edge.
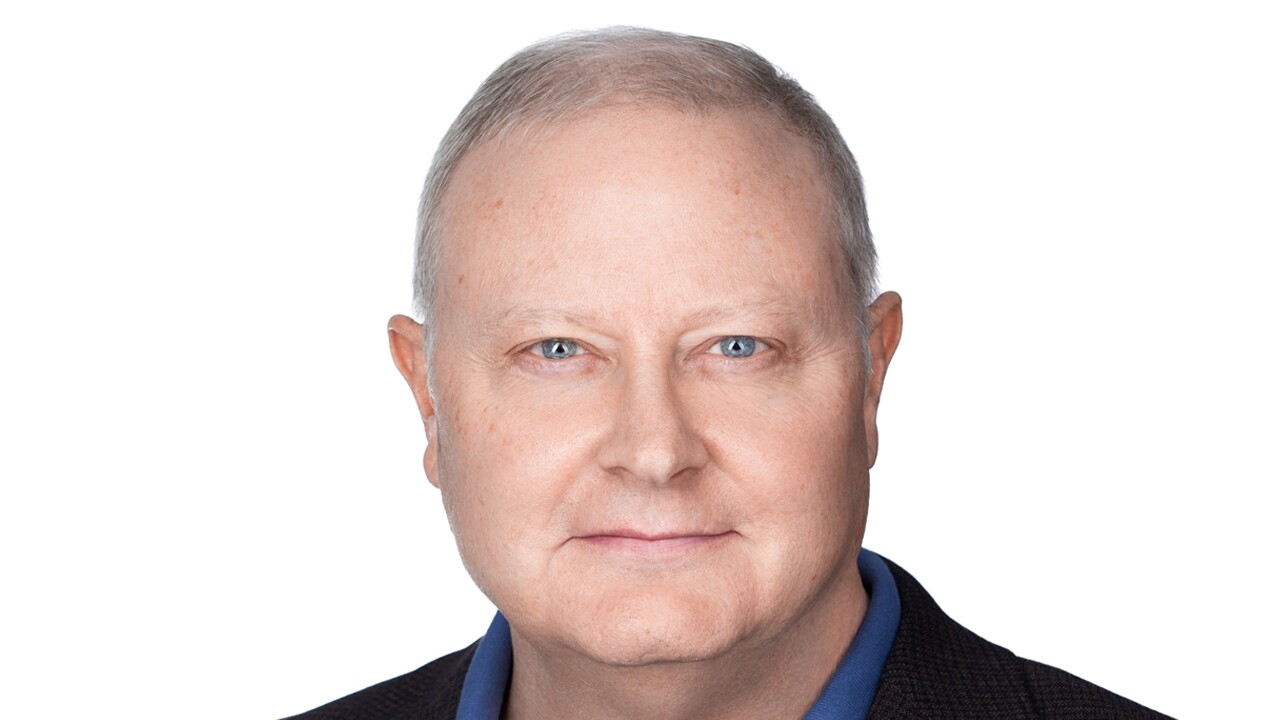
(754, 344)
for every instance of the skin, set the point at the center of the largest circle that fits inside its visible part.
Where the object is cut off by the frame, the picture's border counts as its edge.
(671, 532)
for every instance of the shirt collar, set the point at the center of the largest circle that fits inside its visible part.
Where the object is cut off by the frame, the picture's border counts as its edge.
(485, 688)
(847, 696)
(850, 690)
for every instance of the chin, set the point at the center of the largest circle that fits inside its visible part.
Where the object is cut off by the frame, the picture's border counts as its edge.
(658, 625)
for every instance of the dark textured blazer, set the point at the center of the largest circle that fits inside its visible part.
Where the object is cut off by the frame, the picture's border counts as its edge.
(935, 669)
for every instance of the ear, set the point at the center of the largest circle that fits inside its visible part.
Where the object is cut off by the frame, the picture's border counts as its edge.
(406, 350)
(884, 329)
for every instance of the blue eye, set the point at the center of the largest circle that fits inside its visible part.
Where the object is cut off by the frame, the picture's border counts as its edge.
(558, 349)
(738, 347)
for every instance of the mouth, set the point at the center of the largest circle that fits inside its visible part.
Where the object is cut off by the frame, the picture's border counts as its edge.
(647, 545)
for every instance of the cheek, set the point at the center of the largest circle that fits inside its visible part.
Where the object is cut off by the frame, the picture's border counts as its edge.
(506, 470)
(799, 461)
(792, 432)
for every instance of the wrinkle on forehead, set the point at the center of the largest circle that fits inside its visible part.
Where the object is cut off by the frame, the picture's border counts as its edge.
(574, 211)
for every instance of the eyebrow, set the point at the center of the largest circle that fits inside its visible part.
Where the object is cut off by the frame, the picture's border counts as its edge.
(494, 323)
(771, 307)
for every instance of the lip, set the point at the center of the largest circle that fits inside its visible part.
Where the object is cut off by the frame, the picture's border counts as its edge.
(652, 545)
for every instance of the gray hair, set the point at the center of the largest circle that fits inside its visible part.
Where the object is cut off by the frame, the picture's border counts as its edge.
(564, 77)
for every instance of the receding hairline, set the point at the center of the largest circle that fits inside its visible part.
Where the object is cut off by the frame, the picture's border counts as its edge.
(514, 140)
(773, 149)
(625, 104)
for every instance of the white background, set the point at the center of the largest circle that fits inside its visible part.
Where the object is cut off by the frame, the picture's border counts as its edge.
(213, 503)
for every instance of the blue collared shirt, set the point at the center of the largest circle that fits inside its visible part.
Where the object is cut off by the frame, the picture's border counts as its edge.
(847, 695)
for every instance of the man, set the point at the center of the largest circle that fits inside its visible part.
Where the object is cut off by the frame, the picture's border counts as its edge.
(649, 371)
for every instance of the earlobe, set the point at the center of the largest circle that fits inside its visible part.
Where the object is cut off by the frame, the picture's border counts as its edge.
(884, 330)
(405, 336)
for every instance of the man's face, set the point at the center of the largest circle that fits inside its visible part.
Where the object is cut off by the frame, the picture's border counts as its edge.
(649, 429)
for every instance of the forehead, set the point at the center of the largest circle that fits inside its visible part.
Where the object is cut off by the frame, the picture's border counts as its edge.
(727, 203)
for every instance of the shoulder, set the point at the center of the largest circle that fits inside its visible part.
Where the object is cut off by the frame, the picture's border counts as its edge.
(1059, 694)
(937, 668)
(430, 692)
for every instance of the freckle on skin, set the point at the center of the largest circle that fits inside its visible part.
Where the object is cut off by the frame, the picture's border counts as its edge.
(497, 203)
(460, 276)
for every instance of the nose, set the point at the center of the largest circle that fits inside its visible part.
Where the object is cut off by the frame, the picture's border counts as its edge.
(652, 438)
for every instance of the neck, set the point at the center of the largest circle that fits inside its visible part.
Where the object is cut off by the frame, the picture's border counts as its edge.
(776, 677)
